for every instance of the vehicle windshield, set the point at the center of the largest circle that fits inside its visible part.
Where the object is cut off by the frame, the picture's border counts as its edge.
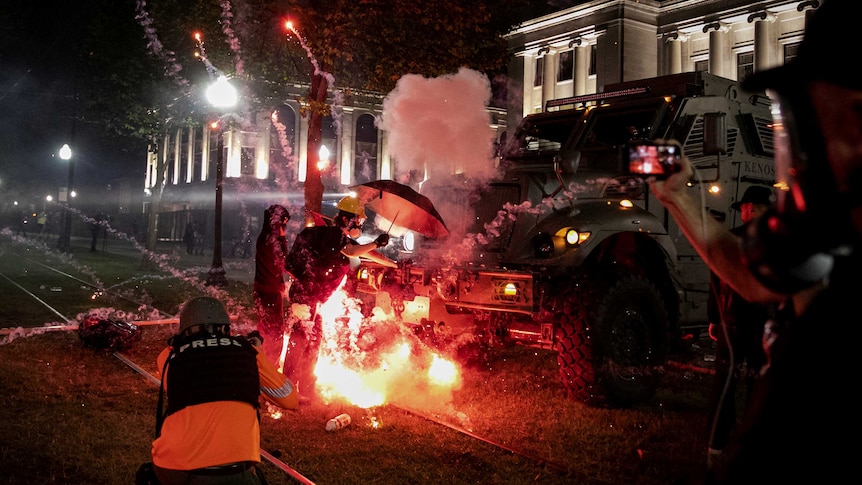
(599, 133)
(545, 134)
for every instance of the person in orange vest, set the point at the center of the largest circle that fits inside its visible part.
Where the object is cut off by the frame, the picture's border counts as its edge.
(212, 382)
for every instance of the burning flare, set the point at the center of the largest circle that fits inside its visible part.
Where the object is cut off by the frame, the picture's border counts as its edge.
(369, 361)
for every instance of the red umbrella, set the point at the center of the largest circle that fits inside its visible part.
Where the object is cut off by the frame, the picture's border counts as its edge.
(403, 206)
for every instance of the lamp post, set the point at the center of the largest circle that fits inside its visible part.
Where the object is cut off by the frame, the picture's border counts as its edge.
(221, 95)
(64, 241)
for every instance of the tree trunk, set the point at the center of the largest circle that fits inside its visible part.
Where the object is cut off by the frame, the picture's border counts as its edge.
(156, 203)
(313, 183)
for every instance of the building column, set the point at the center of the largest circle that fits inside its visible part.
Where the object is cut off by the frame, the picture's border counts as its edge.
(152, 163)
(264, 141)
(809, 7)
(582, 68)
(763, 52)
(386, 168)
(178, 151)
(718, 52)
(528, 86)
(673, 58)
(302, 148)
(549, 82)
(344, 152)
(233, 147)
(205, 153)
(190, 156)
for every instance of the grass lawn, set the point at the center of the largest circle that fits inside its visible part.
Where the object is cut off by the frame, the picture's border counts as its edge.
(71, 414)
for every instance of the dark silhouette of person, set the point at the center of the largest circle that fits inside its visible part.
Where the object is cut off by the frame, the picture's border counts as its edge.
(736, 325)
(269, 286)
(95, 229)
(20, 222)
(189, 237)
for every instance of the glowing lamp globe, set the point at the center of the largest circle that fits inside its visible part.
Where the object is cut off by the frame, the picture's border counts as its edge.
(221, 94)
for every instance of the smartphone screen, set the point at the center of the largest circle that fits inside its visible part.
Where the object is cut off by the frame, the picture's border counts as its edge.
(652, 159)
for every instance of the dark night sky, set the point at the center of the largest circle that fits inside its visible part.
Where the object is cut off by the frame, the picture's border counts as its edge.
(37, 109)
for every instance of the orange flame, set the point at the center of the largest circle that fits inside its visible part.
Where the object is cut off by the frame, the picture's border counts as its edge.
(369, 361)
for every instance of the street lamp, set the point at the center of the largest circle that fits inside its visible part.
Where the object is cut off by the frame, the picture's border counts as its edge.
(223, 96)
(64, 241)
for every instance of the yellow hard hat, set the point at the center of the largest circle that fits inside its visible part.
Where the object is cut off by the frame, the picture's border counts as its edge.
(351, 204)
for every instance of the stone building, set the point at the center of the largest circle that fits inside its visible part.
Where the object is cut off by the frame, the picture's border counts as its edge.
(578, 50)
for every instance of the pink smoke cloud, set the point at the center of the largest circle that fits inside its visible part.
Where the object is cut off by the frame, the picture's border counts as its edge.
(440, 126)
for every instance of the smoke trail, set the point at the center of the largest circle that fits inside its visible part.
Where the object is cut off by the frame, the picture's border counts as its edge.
(338, 96)
(232, 40)
(202, 55)
(168, 57)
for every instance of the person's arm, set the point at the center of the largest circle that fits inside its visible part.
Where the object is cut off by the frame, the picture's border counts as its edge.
(369, 251)
(719, 248)
(378, 258)
(275, 387)
(160, 364)
(358, 250)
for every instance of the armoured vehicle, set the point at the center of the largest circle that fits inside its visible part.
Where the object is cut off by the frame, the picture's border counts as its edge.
(567, 251)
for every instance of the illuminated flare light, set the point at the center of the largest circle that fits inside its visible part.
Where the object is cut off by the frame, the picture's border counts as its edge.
(367, 361)
(442, 372)
(274, 412)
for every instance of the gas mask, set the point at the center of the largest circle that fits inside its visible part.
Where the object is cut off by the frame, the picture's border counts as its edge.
(354, 226)
(793, 245)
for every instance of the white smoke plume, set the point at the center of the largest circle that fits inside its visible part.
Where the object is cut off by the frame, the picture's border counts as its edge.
(440, 126)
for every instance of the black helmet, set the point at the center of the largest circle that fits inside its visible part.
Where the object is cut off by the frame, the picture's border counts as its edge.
(202, 310)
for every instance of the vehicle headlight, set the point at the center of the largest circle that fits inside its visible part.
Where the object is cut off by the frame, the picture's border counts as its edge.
(362, 274)
(408, 241)
(572, 236)
(544, 244)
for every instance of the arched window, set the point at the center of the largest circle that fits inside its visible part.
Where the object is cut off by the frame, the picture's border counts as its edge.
(282, 144)
(365, 150)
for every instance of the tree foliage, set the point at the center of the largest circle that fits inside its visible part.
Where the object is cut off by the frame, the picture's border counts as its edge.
(140, 72)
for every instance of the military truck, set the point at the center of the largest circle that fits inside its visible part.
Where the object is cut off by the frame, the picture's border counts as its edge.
(567, 251)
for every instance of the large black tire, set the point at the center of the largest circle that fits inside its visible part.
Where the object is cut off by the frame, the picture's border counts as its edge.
(612, 344)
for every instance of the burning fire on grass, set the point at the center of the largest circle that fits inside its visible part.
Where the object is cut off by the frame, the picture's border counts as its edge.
(371, 361)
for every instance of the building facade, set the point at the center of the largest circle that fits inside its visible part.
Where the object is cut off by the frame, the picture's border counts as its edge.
(578, 50)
